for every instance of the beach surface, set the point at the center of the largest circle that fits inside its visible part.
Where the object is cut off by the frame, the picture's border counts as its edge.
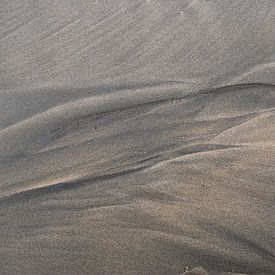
(137, 137)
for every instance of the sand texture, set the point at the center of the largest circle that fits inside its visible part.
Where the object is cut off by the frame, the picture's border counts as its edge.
(137, 137)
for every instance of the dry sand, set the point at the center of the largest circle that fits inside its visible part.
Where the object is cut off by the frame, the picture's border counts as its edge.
(137, 137)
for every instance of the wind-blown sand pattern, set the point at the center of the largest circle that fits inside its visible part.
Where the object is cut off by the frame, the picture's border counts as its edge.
(137, 137)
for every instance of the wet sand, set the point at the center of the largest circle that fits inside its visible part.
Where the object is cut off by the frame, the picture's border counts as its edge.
(137, 137)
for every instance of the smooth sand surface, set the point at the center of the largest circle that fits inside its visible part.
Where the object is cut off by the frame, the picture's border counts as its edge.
(137, 137)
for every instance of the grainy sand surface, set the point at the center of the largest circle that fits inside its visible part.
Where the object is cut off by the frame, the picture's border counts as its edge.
(137, 137)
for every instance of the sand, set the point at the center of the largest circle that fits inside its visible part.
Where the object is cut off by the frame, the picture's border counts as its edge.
(137, 137)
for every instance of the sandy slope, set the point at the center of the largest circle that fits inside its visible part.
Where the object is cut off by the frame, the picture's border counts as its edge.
(137, 137)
